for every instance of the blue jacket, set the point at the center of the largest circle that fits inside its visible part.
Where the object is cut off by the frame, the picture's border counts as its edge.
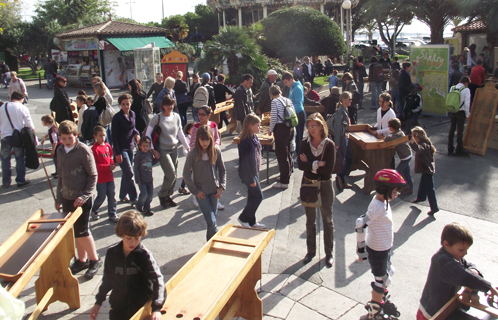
(297, 96)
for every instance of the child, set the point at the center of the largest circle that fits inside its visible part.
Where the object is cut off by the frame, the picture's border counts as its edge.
(333, 79)
(412, 108)
(310, 93)
(449, 271)
(204, 113)
(378, 242)
(249, 165)
(142, 280)
(424, 164)
(89, 101)
(75, 187)
(395, 65)
(144, 160)
(53, 136)
(102, 152)
(81, 103)
(202, 162)
(404, 153)
(384, 114)
(187, 131)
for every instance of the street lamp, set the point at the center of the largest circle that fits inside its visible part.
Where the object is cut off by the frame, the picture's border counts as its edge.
(131, 15)
(346, 5)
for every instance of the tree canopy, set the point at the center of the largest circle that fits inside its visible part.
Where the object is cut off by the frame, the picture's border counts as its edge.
(487, 11)
(299, 31)
(176, 27)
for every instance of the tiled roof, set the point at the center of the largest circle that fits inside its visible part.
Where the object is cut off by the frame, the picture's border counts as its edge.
(476, 25)
(112, 28)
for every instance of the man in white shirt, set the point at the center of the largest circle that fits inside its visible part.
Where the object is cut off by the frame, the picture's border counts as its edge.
(458, 120)
(19, 118)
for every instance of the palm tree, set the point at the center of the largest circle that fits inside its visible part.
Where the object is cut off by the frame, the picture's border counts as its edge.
(177, 27)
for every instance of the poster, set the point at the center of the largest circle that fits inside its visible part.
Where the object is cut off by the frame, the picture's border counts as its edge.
(430, 65)
(172, 63)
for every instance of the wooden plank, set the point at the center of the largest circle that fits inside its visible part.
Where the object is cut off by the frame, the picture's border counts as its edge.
(234, 308)
(41, 306)
(264, 136)
(223, 106)
(14, 238)
(481, 119)
(230, 240)
(313, 109)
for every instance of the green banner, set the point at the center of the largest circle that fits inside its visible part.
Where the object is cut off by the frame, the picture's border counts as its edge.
(430, 66)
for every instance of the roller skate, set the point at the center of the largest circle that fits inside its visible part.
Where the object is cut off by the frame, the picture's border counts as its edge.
(390, 308)
(374, 311)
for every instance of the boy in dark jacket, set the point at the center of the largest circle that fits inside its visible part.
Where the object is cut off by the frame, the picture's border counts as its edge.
(449, 271)
(144, 160)
(131, 272)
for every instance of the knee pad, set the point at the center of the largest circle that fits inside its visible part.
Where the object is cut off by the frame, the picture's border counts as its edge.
(381, 283)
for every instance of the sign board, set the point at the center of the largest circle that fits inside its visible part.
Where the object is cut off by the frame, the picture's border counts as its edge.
(174, 62)
(430, 65)
(75, 45)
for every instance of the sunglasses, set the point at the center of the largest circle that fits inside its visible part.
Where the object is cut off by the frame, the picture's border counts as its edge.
(202, 114)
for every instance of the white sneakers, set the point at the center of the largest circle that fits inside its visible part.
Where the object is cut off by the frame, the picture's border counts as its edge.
(244, 224)
(220, 206)
(279, 185)
(255, 226)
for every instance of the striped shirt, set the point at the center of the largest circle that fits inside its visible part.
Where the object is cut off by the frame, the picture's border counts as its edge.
(277, 111)
(380, 227)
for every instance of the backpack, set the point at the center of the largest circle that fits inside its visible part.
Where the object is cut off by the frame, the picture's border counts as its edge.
(356, 97)
(160, 96)
(290, 118)
(201, 97)
(90, 120)
(453, 98)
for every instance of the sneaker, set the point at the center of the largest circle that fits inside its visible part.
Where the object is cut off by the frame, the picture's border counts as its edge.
(93, 268)
(220, 206)
(95, 216)
(280, 185)
(54, 174)
(183, 191)
(196, 203)
(462, 153)
(346, 185)
(432, 212)
(148, 213)
(78, 266)
(114, 218)
(170, 202)
(125, 200)
(244, 224)
(21, 184)
(258, 226)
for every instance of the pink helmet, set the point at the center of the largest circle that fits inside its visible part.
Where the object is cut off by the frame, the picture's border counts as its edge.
(388, 177)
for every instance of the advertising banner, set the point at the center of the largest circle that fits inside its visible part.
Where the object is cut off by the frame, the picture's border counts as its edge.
(430, 66)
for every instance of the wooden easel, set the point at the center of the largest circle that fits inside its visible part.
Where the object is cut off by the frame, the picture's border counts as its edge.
(44, 242)
(219, 279)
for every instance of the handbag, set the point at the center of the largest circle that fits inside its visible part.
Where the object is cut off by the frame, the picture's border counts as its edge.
(148, 106)
(310, 190)
(106, 115)
(16, 141)
(156, 132)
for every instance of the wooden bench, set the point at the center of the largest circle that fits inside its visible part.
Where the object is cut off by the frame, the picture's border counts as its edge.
(219, 279)
(44, 242)
(467, 297)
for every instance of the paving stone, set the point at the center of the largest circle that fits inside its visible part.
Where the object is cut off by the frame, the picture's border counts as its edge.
(276, 305)
(354, 313)
(271, 282)
(328, 302)
(300, 312)
(296, 288)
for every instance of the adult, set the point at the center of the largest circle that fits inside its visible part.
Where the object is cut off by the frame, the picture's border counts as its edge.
(108, 94)
(220, 95)
(264, 104)
(19, 118)
(205, 79)
(4, 69)
(318, 67)
(404, 82)
(386, 64)
(477, 79)
(456, 75)
(330, 102)
(395, 65)
(296, 95)
(243, 101)
(375, 77)
(122, 72)
(182, 98)
(124, 134)
(308, 71)
(394, 91)
(17, 84)
(359, 74)
(298, 71)
(139, 105)
(283, 135)
(458, 119)
(195, 84)
(340, 126)
(60, 102)
(171, 131)
(329, 67)
(49, 73)
(461, 63)
(471, 57)
(350, 86)
(155, 89)
(384, 114)
(317, 160)
(486, 60)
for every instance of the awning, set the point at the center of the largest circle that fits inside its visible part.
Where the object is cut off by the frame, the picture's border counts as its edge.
(128, 44)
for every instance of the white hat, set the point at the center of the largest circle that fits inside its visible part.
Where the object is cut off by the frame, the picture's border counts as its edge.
(272, 73)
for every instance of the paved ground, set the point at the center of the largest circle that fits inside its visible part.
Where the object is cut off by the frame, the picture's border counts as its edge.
(466, 192)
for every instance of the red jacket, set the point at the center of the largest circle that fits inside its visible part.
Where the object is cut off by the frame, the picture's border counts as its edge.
(478, 75)
(103, 160)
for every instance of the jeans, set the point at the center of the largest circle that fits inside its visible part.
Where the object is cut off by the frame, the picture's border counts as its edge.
(183, 108)
(404, 169)
(457, 123)
(127, 182)
(376, 91)
(209, 208)
(20, 162)
(348, 158)
(145, 198)
(254, 198)
(327, 196)
(106, 189)
(353, 114)
(283, 137)
(426, 190)
(361, 87)
(301, 117)
(169, 164)
(412, 122)
(50, 80)
(194, 114)
(397, 103)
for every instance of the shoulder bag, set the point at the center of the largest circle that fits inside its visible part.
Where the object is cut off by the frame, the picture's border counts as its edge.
(156, 132)
(310, 189)
(106, 115)
(16, 141)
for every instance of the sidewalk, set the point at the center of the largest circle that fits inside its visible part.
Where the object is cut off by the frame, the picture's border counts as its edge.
(466, 191)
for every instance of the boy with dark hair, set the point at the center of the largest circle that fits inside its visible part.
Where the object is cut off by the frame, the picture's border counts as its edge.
(456, 75)
(131, 272)
(75, 188)
(395, 65)
(449, 271)
(102, 153)
(53, 136)
(144, 160)
(404, 153)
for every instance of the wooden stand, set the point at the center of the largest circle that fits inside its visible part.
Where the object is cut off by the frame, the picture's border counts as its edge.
(44, 242)
(225, 106)
(468, 298)
(370, 153)
(219, 279)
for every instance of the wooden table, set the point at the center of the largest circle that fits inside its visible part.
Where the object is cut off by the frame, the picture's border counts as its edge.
(266, 140)
(225, 106)
(219, 279)
(370, 153)
(480, 306)
(44, 242)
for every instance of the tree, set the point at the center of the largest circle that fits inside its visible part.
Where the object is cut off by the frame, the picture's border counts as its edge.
(361, 19)
(9, 14)
(203, 20)
(487, 12)
(300, 31)
(73, 12)
(176, 26)
(241, 53)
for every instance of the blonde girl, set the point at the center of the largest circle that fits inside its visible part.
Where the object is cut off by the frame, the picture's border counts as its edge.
(340, 126)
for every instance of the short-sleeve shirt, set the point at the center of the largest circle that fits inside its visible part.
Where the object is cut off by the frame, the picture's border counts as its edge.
(380, 227)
